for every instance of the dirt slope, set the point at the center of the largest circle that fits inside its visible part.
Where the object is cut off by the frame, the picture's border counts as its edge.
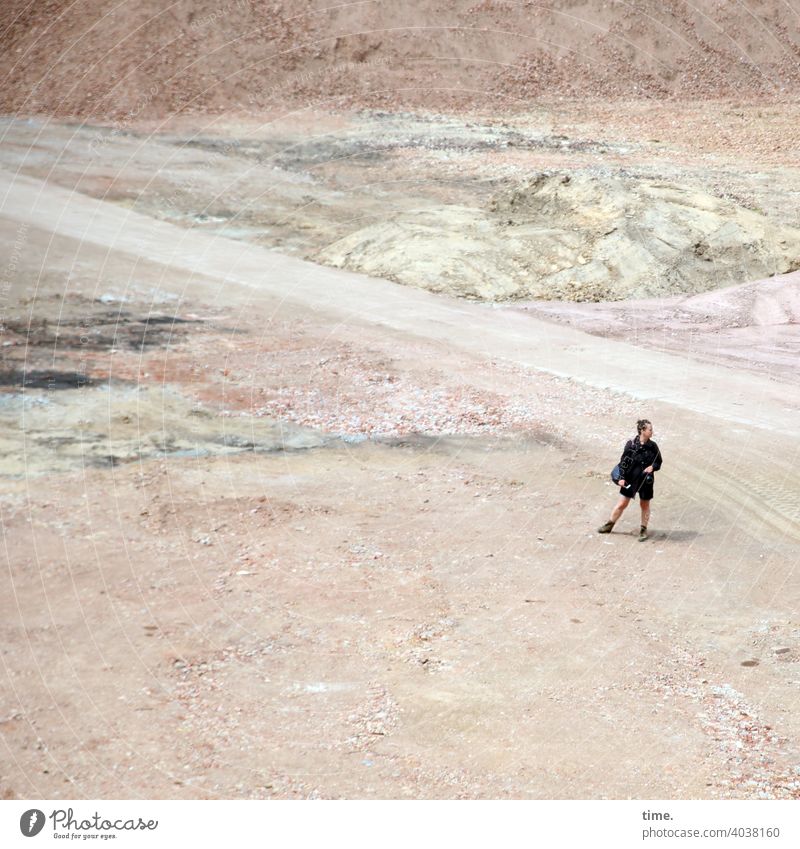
(100, 59)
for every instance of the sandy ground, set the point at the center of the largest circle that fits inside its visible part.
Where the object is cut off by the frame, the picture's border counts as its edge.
(277, 530)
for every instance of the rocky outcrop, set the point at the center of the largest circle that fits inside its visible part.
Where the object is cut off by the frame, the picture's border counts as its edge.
(575, 237)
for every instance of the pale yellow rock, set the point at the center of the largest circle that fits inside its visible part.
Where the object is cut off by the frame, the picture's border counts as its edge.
(581, 239)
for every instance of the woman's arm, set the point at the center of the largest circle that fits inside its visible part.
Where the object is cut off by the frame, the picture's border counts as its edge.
(656, 464)
(657, 461)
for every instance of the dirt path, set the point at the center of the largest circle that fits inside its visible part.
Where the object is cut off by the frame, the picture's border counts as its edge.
(648, 376)
(419, 614)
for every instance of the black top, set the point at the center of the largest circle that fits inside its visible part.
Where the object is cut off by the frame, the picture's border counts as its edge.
(637, 457)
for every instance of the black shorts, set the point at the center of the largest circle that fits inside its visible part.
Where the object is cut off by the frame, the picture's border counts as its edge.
(644, 489)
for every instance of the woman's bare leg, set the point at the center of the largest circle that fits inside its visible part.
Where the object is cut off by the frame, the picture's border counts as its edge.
(619, 509)
(645, 505)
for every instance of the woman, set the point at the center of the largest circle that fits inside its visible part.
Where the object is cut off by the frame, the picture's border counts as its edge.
(640, 459)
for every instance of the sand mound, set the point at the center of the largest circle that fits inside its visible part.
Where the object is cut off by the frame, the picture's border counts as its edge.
(575, 238)
(762, 303)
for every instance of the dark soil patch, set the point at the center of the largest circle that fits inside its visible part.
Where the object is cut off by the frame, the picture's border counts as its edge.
(103, 331)
(46, 379)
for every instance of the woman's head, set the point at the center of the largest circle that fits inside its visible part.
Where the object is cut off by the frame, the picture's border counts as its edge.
(644, 427)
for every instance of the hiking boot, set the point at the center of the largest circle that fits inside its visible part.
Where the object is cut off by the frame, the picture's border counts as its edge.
(642, 534)
(605, 529)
